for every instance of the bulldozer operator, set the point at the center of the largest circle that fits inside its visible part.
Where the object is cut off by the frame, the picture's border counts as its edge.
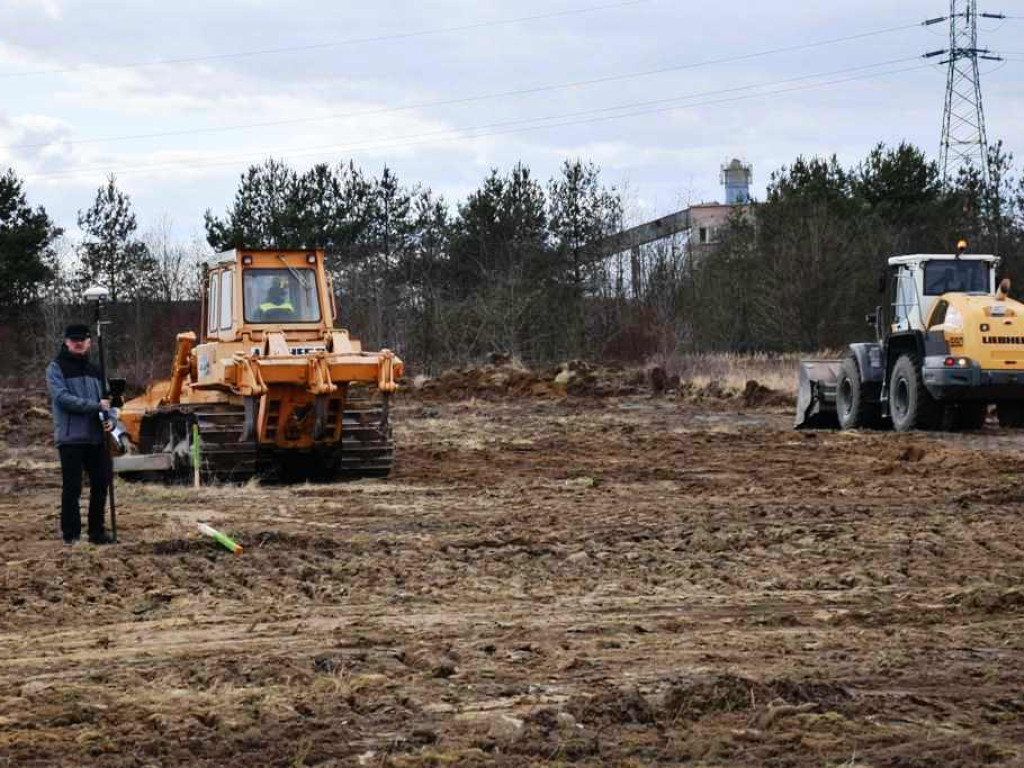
(277, 305)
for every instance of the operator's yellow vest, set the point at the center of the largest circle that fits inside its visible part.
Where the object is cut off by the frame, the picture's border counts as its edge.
(267, 306)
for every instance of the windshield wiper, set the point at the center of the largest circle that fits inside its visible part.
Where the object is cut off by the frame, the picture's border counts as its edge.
(295, 273)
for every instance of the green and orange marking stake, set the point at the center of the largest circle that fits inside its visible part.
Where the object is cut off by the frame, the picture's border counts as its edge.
(196, 457)
(220, 538)
(208, 530)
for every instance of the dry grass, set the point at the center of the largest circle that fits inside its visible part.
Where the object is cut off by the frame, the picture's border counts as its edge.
(27, 464)
(733, 371)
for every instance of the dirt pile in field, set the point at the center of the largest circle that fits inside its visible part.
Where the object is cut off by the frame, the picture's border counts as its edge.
(505, 379)
(756, 395)
(753, 395)
(578, 378)
(24, 418)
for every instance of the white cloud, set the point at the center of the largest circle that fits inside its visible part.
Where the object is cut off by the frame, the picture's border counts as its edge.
(664, 155)
(49, 8)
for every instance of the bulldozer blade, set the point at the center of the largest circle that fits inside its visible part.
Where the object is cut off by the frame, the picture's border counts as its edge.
(816, 399)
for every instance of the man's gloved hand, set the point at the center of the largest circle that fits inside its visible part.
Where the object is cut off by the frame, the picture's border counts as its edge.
(108, 425)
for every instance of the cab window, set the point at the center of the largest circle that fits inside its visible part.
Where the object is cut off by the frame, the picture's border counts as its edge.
(211, 300)
(904, 299)
(280, 296)
(225, 299)
(955, 276)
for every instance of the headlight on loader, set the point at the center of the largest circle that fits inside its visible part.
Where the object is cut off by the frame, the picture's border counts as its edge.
(954, 320)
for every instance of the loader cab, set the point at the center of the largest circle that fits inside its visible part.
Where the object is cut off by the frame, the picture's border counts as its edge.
(919, 280)
(248, 292)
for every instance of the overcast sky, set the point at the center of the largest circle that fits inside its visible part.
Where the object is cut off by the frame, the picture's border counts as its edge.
(364, 80)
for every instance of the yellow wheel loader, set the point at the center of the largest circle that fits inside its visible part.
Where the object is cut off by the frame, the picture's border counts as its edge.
(271, 388)
(953, 346)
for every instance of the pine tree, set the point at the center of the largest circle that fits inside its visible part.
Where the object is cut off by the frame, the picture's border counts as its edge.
(332, 211)
(904, 193)
(499, 243)
(389, 240)
(265, 212)
(110, 252)
(26, 246)
(814, 246)
(582, 215)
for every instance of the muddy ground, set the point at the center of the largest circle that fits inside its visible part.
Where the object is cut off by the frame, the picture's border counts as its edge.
(544, 580)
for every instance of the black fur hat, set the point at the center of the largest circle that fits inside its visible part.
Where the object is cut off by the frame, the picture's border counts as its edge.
(77, 332)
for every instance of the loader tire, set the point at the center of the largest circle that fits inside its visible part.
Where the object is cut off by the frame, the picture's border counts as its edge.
(854, 406)
(1010, 415)
(910, 405)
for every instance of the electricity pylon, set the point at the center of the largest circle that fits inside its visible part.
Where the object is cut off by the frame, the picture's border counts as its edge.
(964, 142)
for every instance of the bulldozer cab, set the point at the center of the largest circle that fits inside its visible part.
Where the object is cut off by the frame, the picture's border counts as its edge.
(920, 279)
(248, 292)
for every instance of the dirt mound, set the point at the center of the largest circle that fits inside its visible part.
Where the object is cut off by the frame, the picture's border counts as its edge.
(625, 706)
(990, 600)
(694, 699)
(707, 696)
(701, 697)
(503, 378)
(715, 393)
(757, 395)
(24, 418)
(578, 378)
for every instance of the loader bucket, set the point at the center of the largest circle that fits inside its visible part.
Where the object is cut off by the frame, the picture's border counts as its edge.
(816, 399)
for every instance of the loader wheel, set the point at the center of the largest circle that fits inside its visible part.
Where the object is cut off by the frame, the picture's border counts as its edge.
(1010, 415)
(853, 406)
(910, 405)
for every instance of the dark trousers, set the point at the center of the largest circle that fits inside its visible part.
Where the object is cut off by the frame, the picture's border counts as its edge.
(73, 459)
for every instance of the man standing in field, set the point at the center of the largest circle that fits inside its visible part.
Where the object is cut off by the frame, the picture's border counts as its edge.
(77, 392)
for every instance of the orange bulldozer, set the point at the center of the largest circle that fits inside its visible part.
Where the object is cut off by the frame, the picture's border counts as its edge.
(272, 388)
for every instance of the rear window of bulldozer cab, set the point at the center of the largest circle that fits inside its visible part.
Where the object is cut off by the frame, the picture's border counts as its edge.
(955, 276)
(280, 296)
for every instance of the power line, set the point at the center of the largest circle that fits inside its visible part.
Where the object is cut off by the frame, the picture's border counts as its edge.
(331, 44)
(500, 128)
(470, 99)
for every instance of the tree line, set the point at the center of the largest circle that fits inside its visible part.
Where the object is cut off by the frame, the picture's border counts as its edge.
(804, 267)
(520, 266)
(514, 267)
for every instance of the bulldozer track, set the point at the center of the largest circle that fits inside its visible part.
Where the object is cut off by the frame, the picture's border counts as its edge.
(367, 444)
(223, 455)
(367, 448)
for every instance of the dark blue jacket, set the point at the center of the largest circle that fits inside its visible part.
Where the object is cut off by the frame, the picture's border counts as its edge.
(76, 391)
